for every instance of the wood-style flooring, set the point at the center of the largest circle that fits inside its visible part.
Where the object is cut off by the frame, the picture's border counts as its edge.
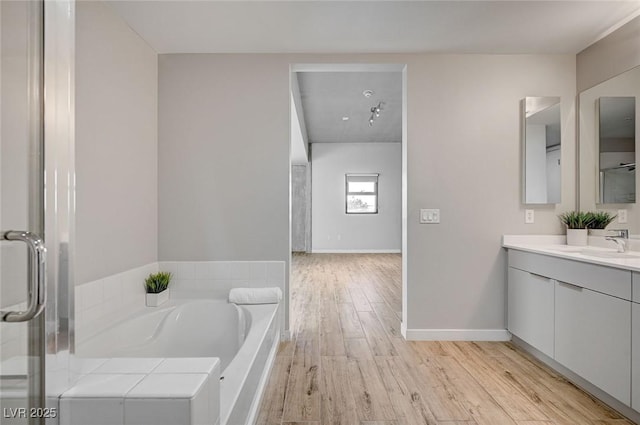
(347, 363)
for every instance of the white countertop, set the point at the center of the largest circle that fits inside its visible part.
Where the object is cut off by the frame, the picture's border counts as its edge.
(555, 246)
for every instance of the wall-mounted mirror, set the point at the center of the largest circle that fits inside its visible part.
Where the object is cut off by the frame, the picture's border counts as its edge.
(608, 135)
(616, 150)
(541, 137)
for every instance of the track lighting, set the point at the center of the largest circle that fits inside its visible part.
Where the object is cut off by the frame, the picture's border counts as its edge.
(375, 113)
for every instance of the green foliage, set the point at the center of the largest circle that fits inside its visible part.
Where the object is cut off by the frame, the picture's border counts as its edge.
(576, 219)
(601, 219)
(584, 220)
(157, 282)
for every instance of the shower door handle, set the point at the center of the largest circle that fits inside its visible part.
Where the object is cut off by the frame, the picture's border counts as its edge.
(37, 276)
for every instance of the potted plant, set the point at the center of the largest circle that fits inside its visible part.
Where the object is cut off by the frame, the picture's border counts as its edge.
(156, 286)
(600, 220)
(577, 223)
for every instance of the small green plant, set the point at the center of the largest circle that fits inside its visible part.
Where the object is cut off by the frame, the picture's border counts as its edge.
(601, 219)
(576, 219)
(157, 282)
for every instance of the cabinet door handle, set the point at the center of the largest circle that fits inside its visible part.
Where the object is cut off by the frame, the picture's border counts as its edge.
(539, 276)
(571, 286)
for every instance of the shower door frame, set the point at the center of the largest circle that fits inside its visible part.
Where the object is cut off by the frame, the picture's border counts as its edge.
(59, 197)
(51, 212)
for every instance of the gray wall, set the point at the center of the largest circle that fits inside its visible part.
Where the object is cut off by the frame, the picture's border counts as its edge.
(116, 145)
(333, 230)
(224, 167)
(610, 56)
(464, 158)
(223, 158)
(299, 200)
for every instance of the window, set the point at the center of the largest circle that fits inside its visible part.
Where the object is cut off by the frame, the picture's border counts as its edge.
(362, 193)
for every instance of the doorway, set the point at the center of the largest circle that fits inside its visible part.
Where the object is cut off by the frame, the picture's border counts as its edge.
(348, 159)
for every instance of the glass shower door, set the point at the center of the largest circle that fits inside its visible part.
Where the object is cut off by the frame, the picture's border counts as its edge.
(22, 254)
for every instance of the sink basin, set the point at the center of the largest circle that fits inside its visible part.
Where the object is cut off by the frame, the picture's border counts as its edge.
(608, 254)
(595, 252)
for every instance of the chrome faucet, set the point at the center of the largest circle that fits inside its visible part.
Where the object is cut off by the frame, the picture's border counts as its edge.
(620, 238)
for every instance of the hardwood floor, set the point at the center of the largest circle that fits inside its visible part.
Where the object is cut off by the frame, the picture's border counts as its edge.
(347, 363)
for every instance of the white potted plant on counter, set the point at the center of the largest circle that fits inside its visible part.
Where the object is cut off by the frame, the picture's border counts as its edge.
(156, 286)
(601, 219)
(577, 223)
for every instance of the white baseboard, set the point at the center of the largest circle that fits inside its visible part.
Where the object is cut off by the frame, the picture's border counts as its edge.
(356, 251)
(403, 329)
(457, 335)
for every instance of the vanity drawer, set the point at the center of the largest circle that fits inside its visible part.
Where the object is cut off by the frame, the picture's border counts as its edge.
(607, 280)
(635, 291)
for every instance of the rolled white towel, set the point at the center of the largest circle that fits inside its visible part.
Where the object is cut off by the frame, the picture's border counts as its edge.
(255, 295)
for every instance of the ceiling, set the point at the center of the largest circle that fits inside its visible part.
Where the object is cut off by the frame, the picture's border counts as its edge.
(328, 97)
(363, 26)
(549, 117)
(397, 26)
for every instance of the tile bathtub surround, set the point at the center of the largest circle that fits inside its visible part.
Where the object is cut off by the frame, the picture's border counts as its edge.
(197, 365)
(169, 399)
(105, 301)
(13, 336)
(97, 399)
(214, 279)
(102, 302)
(168, 392)
(127, 365)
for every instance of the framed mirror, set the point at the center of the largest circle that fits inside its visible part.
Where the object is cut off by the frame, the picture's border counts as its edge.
(541, 142)
(607, 151)
(616, 150)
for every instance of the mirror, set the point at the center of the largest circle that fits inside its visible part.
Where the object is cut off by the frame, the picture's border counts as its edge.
(616, 150)
(608, 134)
(541, 148)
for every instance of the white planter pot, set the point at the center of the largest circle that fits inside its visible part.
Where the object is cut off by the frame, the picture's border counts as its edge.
(154, 300)
(577, 237)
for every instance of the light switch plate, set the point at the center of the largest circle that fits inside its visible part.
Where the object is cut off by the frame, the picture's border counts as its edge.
(622, 216)
(529, 216)
(430, 216)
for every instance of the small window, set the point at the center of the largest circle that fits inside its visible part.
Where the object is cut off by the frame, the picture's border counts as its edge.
(362, 193)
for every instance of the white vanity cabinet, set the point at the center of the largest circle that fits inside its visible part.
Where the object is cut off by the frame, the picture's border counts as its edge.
(531, 309)
(635, 343)
(580, 315)
(635, 359)
(592, 338)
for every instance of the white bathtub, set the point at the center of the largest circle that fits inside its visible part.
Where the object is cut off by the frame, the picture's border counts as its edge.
(243, 337)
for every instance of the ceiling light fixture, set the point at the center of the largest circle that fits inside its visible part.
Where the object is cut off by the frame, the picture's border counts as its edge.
(375, 113)
(367, 93)
(345, 118)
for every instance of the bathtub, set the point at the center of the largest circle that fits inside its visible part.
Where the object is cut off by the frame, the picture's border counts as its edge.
(244, 338)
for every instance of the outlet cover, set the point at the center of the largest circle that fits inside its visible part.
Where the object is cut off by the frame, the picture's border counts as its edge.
(529, 216)
(429, 216)
(622, 216)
